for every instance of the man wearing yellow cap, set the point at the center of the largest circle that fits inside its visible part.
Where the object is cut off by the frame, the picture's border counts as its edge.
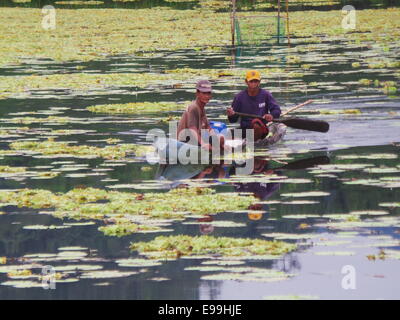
(257, 101)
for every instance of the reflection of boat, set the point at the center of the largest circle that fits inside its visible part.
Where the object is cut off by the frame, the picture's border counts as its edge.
(262, 191)
(170, 150)
(176, 173)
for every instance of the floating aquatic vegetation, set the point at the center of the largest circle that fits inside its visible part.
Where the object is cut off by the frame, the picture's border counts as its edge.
(78, 2)
(88, 44)
(289, 236)
(250, 274)
(8, 169)
(335, 253)
(76, 248)
(45, 175)
(105, 274)
(29, 198)
(355, 224)
(161, 32)
(365, 82)
(121, 229)
(350, 166)
(20, 274)
(78, 267)
(372, 156)
(64, 149)
(158, 279)
(294, 202)
(223, 262)
(392, 254)
(303, 226)
(39, 256)
(219, 223)
(50, 119)
(102, 284)
(126, 213)
(338, 216)
(390, 204)
(12, 268)
(382, 182)
(71, 255)
(177, 246)
(363, 181)
(347, 234)
(295, 180)
(300, 216)
(169, 118)
(306, 194)
(23, 284)
(369, 212)
(382, 170)
(206, 268)
(136, 107)
(43, 227)
(137, 263)
(343, 111)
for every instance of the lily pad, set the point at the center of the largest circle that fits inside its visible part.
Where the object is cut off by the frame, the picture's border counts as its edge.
(105, 274)
(335, 253)
(22, 284)
(306, 194)
(137, 263)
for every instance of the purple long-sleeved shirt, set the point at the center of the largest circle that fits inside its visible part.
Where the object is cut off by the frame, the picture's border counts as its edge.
(260, 105)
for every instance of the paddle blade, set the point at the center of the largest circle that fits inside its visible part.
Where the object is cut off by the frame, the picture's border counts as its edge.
(305, 124)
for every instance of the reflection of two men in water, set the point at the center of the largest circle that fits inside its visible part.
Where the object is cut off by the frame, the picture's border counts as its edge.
(181, 176)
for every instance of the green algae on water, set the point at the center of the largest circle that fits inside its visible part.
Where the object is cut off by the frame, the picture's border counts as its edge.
(62, 149)
(136, 107)
(124, 212)
(182, 245)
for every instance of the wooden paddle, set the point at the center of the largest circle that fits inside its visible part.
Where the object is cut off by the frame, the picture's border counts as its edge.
(296, 123)
(299, 164)
(297, 107)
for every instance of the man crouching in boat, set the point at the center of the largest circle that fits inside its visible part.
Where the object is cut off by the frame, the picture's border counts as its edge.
(257, 101)
(194, 120)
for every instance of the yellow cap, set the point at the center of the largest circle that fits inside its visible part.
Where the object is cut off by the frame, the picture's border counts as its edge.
(254, 216)
(253, 74)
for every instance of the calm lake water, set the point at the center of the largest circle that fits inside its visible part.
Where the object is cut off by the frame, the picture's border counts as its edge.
(361, 180)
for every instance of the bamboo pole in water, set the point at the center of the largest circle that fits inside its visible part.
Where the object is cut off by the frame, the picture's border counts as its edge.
(279, 22)
(287, 22)
(233, 18)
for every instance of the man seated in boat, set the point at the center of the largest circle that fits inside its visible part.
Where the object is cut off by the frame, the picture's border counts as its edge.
(194, 126)
(257, 101)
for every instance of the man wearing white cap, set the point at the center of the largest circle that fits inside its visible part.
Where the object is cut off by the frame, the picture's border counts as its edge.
(195, 118)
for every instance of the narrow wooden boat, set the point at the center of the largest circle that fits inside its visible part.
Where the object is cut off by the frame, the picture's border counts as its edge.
(170, 150)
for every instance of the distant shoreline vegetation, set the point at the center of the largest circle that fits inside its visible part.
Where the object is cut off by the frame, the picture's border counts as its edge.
(218, 6)
(144, 32)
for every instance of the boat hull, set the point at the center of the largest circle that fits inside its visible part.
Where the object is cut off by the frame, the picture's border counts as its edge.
(173, 151)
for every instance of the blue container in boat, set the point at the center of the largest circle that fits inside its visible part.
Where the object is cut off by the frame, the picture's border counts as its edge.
(218, 126)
